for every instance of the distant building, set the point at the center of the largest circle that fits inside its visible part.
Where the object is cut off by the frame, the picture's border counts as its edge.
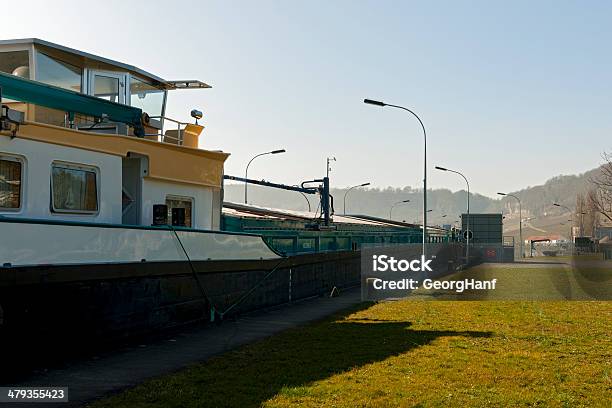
(604, 232)
(552, 238)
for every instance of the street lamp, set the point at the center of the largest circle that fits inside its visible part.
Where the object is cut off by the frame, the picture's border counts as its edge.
(571, 212)
(467, 227)
(305, 198)
(347, 191)
(246, 172)
(383, 104)
(582, 214)
(417, 221)
(399, 202)
(520, 220)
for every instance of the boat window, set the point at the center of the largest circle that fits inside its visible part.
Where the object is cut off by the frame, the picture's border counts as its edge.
(74, 188)
(146, 97)
(58, 73)
(174, 202)
(11, 170)
(16, 63)
(106, 87)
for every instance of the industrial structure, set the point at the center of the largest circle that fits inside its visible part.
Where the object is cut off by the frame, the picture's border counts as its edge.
(486, 236)
(297, 232)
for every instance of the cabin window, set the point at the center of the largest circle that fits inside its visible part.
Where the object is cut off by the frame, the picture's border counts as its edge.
(74, 188)
(107, 87)
(185, 203)
(11, 171)
(58, 73)
(16, 63)
(146, 97)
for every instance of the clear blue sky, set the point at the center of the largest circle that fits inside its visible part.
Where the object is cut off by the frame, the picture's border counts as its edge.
(511, 94)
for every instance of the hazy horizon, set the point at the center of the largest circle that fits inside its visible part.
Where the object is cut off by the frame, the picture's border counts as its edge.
(493, 196)
(511, 95)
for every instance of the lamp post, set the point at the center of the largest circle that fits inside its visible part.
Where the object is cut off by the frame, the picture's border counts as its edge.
(467, 247)
(570, 211)
(444, 216)
(417, 221)
(582, 214)
(520, 220)
(399, 202)
(305, 198)
(347, 191)
(383, 104)
(246, 172)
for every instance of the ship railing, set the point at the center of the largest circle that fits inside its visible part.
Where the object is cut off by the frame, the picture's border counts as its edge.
(172, 136)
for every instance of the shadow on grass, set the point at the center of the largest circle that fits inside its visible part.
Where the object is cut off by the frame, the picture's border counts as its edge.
(284, 363)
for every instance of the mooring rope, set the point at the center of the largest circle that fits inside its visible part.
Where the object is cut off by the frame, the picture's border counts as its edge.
(212, 310)
(246, 295)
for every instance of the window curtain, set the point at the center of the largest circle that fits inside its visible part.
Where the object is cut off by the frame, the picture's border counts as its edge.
(74, 189)
(10, 184)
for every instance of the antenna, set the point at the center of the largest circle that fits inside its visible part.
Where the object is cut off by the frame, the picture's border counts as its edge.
(329, 159)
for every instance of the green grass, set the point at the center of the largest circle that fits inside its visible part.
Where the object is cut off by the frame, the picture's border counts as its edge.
(584, 280)
(409, 354)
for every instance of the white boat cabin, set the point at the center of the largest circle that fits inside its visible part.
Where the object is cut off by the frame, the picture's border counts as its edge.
(70, 166)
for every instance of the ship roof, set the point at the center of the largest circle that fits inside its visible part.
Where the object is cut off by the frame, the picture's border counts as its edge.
(168, 84)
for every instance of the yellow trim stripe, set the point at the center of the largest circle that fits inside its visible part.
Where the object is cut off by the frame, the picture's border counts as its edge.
(166, 161)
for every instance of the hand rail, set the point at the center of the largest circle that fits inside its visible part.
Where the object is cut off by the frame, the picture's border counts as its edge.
(179, 138)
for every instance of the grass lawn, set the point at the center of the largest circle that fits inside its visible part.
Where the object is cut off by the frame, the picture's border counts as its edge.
(409, 353)
(576, 280)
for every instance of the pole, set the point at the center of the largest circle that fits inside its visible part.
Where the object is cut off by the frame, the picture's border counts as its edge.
(399, 202)
(520, 220)
(345, 194)
(521, 228)
(246, 172)
(307, 200)
(572, 221)
(520, 223)
(424, 176)
(467, 250)
(329, 159)
(347, 191)
(378, 103)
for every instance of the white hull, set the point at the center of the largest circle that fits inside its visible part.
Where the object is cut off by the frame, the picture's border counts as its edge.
(25, 243)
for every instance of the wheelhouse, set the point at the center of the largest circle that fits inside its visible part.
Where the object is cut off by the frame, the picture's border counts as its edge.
(94, 144)
(89, 74)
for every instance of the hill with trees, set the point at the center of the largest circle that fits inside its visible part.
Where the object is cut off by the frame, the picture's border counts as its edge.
(537, 201)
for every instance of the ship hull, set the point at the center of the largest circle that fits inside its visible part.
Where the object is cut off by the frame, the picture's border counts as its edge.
(123, 299)
(78, 280)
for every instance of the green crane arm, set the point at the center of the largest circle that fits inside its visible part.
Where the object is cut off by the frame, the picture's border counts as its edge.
(37, 93)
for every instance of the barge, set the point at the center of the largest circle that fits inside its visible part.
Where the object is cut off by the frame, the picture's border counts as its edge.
(111, 214)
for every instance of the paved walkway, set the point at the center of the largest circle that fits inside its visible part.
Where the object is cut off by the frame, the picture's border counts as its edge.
(94, 378)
